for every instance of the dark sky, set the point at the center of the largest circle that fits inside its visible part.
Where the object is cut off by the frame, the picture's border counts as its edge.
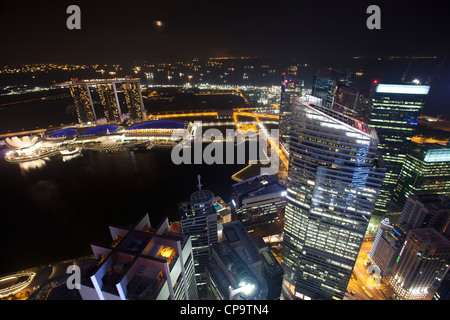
(35, 31)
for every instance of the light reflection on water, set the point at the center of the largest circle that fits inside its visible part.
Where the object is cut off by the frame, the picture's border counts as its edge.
(34, 164)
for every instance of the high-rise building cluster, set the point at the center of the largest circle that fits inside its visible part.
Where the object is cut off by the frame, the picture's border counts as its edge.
(345, 166)
(414, 254)
(338, 138)
(107, 100)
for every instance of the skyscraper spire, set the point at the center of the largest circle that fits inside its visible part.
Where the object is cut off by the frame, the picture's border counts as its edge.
(199, 183)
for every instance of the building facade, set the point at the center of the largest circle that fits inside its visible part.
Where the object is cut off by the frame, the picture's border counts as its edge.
(426, 211)
(326, 82)
(421, 266)
(332, 186)
(236, 262)
(386, 247)
(290, 87)
(346, 100)
(394, 113)
(259, 202)
(83, 103)
(426, 171)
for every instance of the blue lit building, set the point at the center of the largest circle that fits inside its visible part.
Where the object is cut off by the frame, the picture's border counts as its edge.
(61, 134)
(100, 130)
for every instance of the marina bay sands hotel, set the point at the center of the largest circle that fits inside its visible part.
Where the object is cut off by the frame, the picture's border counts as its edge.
(107, 100)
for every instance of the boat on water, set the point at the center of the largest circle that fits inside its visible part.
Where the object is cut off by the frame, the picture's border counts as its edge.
(70, 151)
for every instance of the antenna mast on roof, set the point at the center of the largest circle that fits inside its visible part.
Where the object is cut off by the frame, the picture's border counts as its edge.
(199, 183)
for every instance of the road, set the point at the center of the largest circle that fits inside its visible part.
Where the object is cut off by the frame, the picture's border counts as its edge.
(359, 284)
(49, 272)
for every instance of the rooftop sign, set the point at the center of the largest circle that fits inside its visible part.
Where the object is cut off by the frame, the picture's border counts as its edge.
(402, 89)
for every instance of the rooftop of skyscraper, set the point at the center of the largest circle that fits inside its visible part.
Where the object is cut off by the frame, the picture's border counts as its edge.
(237, 236)
(433, 201)
(135, 259)
(240, 262)
(202, 196)
(429, 235)
(344, 119)
(261, 184)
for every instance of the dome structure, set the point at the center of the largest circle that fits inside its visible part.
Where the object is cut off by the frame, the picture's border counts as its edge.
(15, 143)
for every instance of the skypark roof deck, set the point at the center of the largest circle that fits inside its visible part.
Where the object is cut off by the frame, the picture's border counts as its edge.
(75, 81)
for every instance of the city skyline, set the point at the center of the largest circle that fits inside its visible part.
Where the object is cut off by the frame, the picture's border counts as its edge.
(167, 113)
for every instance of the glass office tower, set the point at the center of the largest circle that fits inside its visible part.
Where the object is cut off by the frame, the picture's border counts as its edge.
(331, 192)
(290, 87)
(395, 111)
(426, 171)
(326, 81)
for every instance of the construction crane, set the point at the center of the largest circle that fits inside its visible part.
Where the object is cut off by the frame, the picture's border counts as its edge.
(406, 71)
(436, 72)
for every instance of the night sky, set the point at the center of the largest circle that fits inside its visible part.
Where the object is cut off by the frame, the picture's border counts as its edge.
(117, 31)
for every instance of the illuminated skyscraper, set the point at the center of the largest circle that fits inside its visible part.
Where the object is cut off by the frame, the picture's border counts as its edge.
(290, 87)
(331, 192)
(394, 113)
(421, 265)
(426, 171)
(386, 247)
(110, 103)
(134, 102)
(326, 82)
(324, 85)
(198, 219)
(83, 102)
(108, 91)
(345, 100)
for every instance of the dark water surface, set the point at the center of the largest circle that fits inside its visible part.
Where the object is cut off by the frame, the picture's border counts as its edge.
(54, 212)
